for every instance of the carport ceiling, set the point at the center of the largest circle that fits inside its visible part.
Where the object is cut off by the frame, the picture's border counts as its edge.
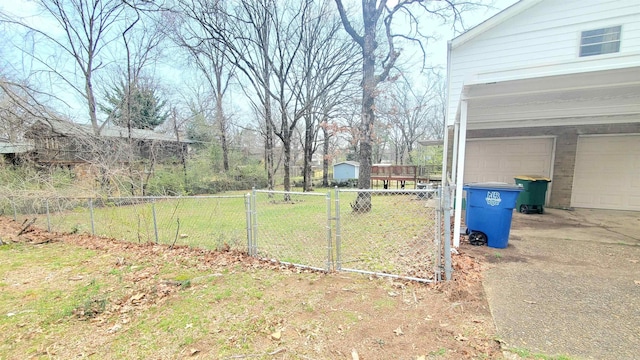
(603, 93)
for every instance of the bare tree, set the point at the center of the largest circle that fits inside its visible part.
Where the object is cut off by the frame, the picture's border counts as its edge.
(244, 39)
(20, 107)
(266, 41)
(83, 43)
(86, 33)
(210, 61)
(412, 111)
(327, 72)
(377, 62)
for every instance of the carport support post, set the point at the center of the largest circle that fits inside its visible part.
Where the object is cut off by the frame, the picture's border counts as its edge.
(462, 142)
(438, 236)
(456, 142)
(446, 204)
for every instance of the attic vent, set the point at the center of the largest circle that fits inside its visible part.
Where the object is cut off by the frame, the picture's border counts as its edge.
(600, 41)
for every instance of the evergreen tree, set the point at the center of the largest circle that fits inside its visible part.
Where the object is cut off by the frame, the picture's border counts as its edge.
(138, 104)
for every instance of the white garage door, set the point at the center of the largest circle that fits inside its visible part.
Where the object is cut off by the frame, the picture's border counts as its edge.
(502, 159)
(607, 173)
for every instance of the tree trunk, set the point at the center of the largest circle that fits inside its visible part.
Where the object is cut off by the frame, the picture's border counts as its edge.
(222, 123)
(308, 152)
(91, 100)
(268, 144)
(363, 201)
(286, 144)
(325, 158)
(266, 76)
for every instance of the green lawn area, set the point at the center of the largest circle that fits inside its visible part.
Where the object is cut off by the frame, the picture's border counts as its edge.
(106, 299)
(396, 236)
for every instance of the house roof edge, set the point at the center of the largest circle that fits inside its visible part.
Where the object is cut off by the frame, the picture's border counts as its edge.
(493, 21)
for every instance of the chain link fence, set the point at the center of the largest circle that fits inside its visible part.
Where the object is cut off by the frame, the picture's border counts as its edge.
(212, 222)
(292, 227)
(398, 233)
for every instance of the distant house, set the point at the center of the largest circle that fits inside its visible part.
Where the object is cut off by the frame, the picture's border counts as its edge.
(66, 143)
(346, 170)
(12, 151)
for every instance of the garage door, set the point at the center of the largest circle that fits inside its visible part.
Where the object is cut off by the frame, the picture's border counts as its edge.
(502, 159)
(607, 173)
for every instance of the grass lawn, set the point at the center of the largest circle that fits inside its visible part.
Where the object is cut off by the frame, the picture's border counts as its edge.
(76, 296)
(397, 236)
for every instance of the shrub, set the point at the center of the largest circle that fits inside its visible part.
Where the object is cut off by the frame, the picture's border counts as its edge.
(345, 183)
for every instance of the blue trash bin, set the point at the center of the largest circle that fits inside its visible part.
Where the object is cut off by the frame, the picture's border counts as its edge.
(489, 211)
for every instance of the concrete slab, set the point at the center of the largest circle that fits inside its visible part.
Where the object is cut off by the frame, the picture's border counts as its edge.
(568, 283)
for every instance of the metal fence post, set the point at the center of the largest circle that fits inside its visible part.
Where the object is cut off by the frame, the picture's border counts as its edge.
(93, 226)
(338, 232)
(247, 207)
(254, 226)
(329, 247)
(155, 223)
(15, 211)
(447, 232)
(48, 216)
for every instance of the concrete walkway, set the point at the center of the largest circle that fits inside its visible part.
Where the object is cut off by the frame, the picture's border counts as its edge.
(568, 284)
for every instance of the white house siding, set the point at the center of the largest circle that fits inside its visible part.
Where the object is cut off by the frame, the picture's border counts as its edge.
(543, 40)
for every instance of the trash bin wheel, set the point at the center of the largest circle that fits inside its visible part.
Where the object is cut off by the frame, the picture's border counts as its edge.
(477, 238)
(524, 209)
(540, 210)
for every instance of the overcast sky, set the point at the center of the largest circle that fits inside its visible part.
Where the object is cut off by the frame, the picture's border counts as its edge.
(437, 50)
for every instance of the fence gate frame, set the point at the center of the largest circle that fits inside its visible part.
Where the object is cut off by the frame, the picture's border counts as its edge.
(334, 236)
(251, 205)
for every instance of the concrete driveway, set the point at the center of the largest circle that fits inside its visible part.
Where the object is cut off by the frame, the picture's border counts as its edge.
(568, 284)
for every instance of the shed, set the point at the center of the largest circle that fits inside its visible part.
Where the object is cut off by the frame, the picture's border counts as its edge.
(346, 170)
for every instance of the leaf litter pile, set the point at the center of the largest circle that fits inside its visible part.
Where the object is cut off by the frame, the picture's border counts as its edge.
(78, 296)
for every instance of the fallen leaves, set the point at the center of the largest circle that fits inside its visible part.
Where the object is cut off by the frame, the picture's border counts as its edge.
(137, 297)
(144, 283)
(354, 355)
(276, 335)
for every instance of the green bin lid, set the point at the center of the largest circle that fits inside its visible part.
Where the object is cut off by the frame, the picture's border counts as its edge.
(532, 178)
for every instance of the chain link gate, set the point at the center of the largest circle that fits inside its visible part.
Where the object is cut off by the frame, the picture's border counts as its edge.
(291, 227)
(397, 235)
(400, 236)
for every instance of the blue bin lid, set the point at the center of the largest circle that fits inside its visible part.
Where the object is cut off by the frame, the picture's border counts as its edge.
(493, 186)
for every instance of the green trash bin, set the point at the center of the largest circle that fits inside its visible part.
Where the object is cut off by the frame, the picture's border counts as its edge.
(532, 198)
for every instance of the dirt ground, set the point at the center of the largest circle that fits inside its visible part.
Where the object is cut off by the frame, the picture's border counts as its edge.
(568, 283)
(298, 315)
